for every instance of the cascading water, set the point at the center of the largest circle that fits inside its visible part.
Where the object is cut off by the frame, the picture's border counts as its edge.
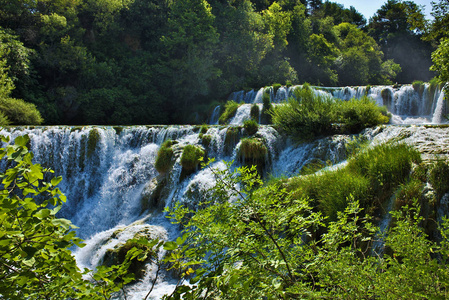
(408, 105)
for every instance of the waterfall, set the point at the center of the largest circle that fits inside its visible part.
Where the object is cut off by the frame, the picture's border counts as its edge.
(407, 105)
(215, 116)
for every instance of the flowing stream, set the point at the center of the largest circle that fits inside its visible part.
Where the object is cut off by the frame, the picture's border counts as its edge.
(115, 192)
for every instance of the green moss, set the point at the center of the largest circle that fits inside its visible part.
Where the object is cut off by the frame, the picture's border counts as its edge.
(255, 112)
(164, 158)
(229, 112)
(253, 151)
(206, 139)
(118, 129)
(276, 87)
(204, 128)
(191, 157)
(418, 86)
(232, 137)
(266, 108)
(439, 177)
(288, 83)
(386, 96)
(92, 141)
(251, 126)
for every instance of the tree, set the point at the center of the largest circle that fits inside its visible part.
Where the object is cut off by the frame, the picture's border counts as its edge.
(439, 27)
(398, 26)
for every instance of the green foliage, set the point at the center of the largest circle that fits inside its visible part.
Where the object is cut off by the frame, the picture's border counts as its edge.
(270, 243)
(230, 110)
(276, 87)
(311, 115)
(357, 114)
(440, 60)
(307, 116)
(20, 112)
(253, 151)
(251, 126)
(191, 157)
(439, 177)
(4, 121)
(164, 157)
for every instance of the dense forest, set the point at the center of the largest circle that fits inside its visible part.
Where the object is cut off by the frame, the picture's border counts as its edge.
(170, 61)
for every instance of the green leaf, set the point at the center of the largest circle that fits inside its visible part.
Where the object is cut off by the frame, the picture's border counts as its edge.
(170, 246)
(56, 180)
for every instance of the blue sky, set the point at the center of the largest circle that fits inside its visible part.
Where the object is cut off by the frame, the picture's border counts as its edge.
(369, 7)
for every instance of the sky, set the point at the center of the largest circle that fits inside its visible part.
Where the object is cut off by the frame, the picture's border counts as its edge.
(369, 7)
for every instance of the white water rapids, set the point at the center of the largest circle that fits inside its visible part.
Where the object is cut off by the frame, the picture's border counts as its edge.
(108, 173)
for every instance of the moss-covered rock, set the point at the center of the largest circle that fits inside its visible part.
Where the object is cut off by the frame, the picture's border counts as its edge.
(251, 126)
(191, 158)
(252, 151)
(164, 160)
(92, 141)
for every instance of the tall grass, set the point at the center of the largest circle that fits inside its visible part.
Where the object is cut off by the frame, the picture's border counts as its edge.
(370, 177)
(311, 115)
(230, 110)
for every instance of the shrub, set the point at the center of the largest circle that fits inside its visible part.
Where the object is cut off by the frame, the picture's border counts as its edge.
(4, 119)
(357, 114)
(164, 157)
(20, 112)
(408, 192)
(386, 166)
(255, 112)
(230, 110)
(306, 117)
(251, 126)
(439, 177)
(191, 157)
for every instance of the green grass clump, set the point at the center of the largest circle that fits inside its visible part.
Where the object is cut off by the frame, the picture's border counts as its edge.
(164, 157)
(311, 115)
(251, 126)
(253, 151)
(357, 114)
(255, 112)
(230, 110)
(408, 192)
(191, 157)
(370, 177)
(307, 116)
(439, 177)
(276, 87)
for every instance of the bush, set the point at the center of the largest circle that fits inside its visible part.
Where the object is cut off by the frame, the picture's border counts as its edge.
(370, 177)
(230, 110)
(20, 112)
(439, 178)
(255, 112)
(311, 115)
(307, 116)
(4, 119)
(164, 157)
(357, 114)
(251, 126)
(191, 157)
